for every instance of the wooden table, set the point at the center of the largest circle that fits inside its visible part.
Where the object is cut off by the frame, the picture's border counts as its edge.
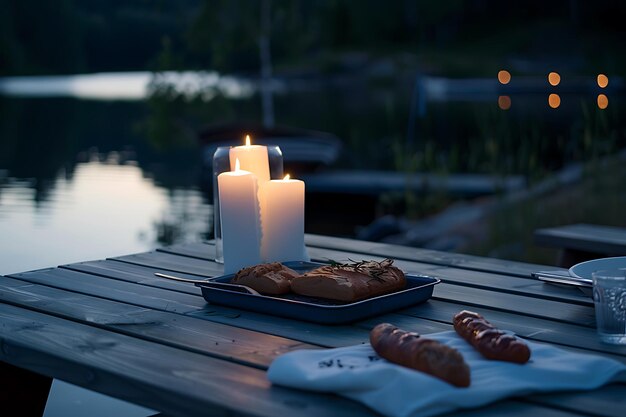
(111, 326)
(582, 242)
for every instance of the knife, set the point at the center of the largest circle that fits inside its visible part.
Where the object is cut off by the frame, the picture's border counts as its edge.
(561, 277)
(564, 278)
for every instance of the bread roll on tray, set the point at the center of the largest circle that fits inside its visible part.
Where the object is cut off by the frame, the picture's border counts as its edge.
(350, 282)
(271, 278)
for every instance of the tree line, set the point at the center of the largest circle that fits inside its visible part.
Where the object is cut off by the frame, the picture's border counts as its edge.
(70, 36)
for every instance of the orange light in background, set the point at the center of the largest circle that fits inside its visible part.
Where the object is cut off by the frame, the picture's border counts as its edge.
(554, 100)
(554, 79)
(504, 102)
(603, 101)
(603, 80)
(504, 77)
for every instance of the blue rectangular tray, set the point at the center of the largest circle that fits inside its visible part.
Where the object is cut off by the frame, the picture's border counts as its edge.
(419, 289)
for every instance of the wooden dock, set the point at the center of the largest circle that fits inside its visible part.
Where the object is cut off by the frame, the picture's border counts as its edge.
(378, 182)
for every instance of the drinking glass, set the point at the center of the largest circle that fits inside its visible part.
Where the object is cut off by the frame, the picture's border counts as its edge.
(221, 163)
(609, 296)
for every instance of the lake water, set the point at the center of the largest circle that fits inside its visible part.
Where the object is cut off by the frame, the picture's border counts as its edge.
(72, 185)
(90, 169)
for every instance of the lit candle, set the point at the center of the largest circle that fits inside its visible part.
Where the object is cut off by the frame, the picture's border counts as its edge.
(240, 218)
(253, 158)
(283, 221)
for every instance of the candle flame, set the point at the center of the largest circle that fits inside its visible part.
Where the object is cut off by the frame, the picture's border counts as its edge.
(286, 177)
(237, 165)
(247, 140)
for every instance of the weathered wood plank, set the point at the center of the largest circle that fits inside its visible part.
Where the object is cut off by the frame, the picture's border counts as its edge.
(419, 328)
(194, 306)
(527, 306)
(526, 286)
(28, 294)
(513, 408)
(607, 401)
(206, 250)
(139, 274)
(607, 240)
(178, 383)
(430, 326)
(168, 262)
(200, 250)
(217, 340)
(145, 296)
(424, 255)
(470, 296)
(463, 298)
(160, 377)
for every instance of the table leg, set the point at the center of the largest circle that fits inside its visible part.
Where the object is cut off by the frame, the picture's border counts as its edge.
(24, 391)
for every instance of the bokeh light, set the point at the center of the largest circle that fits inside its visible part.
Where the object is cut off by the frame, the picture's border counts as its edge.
(504, 77)
(504, 102)
(554, 79)
(603, 101)
(603, 80)
(554, 100)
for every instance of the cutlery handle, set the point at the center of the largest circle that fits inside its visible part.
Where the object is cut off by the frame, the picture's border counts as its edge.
(205, 283)
(172, 277)
(560, 277)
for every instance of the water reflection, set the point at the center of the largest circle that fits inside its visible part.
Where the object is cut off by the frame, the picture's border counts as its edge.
(102, 210)
(603, 101)
(504, 102)
(554, 101)
(129, 85)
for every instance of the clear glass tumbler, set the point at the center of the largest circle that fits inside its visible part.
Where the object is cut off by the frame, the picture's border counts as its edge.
(221, 163)
(609, 296)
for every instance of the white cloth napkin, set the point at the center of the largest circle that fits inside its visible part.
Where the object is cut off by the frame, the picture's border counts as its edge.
(358, 373)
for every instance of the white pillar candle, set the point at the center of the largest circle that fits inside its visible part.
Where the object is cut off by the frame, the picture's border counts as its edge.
(283, 221)
(240, 217)
(252, 158)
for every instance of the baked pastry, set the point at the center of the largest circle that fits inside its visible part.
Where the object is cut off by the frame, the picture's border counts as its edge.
(350, 282)
(271, 278)
(416, 352)
(488, 340)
